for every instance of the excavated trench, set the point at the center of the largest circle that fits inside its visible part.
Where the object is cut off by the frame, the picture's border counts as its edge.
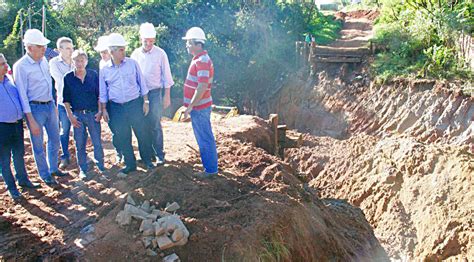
(401, 151)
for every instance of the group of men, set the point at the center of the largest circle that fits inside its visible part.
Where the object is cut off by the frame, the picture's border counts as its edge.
(128, 93)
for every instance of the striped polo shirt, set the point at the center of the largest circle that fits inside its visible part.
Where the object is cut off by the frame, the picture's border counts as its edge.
(201, 70)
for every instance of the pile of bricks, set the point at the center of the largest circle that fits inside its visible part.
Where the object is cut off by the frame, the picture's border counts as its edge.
(160, 229)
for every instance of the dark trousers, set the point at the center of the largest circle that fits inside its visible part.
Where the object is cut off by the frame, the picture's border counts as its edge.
(125, 118)
(154, 122)
(12, 143)
(115, 142)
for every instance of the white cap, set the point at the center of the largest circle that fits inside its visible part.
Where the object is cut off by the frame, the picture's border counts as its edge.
(147, 30)
(35, 37)
(195, 33)
(102, 44)
(116, 39)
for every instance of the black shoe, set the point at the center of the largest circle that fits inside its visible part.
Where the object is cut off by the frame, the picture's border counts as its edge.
(59, 174)
(119, 159)
(51, 182)
(29, 184)
(150, 166)
(160, 162)
(128, 170)
(15, 195)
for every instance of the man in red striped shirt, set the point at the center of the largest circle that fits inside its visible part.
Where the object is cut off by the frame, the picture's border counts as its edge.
(198, 99)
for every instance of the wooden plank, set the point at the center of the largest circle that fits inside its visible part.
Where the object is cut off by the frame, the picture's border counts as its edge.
(336, 55)
(274, 124)
(339, 60)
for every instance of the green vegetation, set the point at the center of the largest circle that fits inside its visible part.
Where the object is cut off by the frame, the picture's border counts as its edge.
(419, 38)
(252, 45)
(274, 248)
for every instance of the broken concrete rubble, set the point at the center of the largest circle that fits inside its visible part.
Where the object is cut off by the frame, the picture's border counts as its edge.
(164, 242)
(135, 212)
(171, 258)
(130, 200)
(123, 218)
(160, 229)
(172, 207)
(145, 206)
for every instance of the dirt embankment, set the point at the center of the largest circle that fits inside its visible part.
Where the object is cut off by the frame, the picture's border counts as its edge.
(257, 209)
(402, 152)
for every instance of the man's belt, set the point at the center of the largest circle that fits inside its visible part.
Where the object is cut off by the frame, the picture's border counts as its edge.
(19, 121)
(126, 103)
(40, 102)
(84, 111)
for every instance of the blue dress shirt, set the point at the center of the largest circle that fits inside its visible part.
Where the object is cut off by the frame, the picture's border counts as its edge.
(33, 81)
(121, 83)
(10, 102)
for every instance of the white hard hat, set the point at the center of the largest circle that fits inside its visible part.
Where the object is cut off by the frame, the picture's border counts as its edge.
(116, 39)
(102, 43)
(147, 30)
(195, 33)
(35, 37)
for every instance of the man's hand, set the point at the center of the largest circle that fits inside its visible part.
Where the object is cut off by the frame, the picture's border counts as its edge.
(75, 123)
(105, 116)
(186, 114)
(166, 102)
(98, 116)
(146, 107)
(35, 128)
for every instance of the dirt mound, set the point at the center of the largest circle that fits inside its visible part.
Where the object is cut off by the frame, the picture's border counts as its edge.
(402, 152)
(256, 210)
(417, 196)
(367, 14)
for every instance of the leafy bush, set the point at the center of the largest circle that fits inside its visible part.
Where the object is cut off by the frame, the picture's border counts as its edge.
(419, 39)
(252, 45)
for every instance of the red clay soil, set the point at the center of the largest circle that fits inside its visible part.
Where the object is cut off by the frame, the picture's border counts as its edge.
(257, 209)
(402, 151)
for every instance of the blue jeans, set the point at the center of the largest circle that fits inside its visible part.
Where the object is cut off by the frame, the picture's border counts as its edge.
(12, 143)
(124, 118)
(201, 121)
(154, 122)
(47, 118)
(88, 124)
(65, 131)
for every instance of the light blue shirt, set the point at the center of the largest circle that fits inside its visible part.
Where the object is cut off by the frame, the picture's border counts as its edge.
(121, 83)
(10, 102)
(33, 81)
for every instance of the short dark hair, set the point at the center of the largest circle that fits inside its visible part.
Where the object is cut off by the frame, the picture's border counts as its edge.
(195, 42)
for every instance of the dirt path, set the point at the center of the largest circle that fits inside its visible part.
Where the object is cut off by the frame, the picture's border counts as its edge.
(357, 30)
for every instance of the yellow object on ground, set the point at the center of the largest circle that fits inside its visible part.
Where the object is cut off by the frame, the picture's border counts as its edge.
(233, 111)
